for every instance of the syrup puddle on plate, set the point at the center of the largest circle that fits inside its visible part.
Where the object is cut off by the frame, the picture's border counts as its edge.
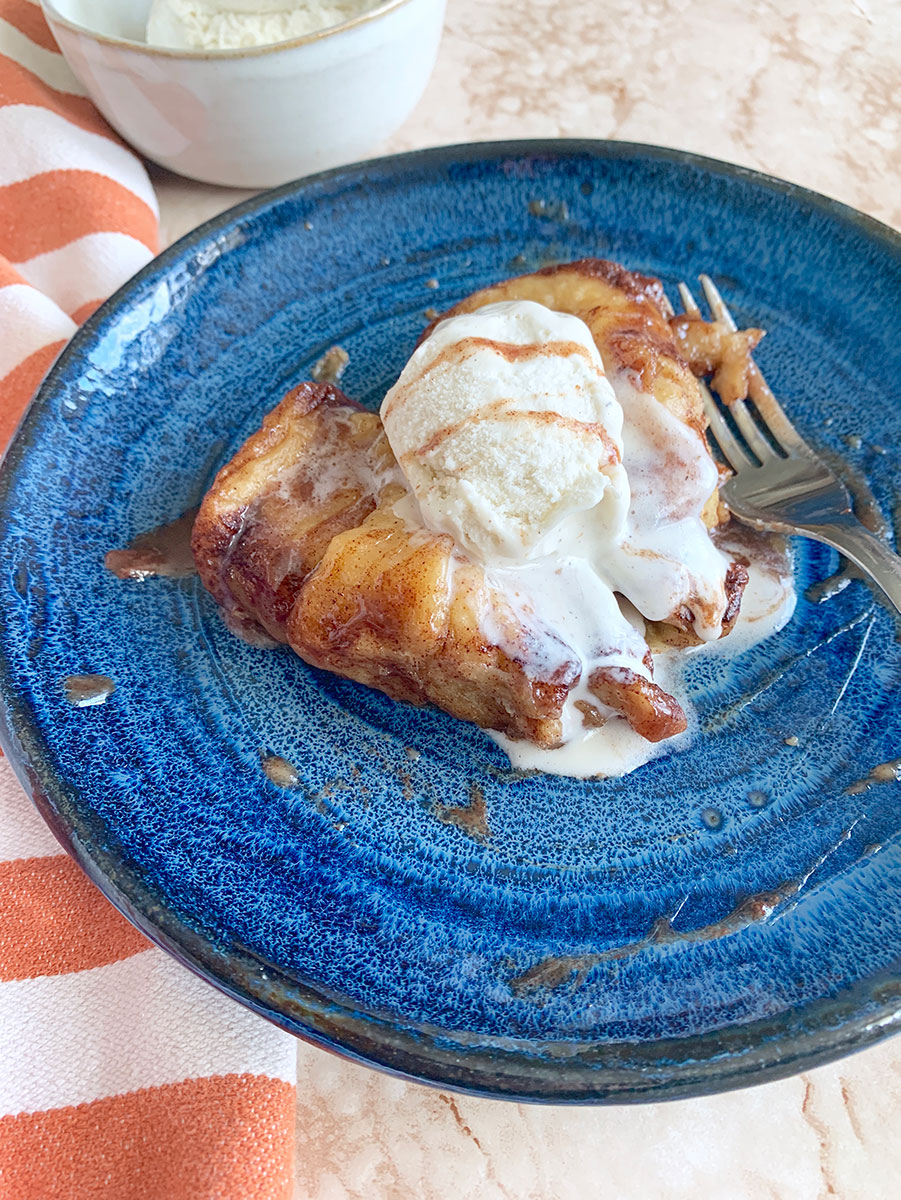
(164, 551)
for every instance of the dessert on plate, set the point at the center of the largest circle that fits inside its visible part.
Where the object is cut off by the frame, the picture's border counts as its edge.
(529, 533)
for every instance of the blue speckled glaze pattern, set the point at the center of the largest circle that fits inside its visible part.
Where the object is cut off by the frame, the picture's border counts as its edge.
(726, 914)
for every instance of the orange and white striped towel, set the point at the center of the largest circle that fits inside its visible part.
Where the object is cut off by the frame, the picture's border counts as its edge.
(122, 1077)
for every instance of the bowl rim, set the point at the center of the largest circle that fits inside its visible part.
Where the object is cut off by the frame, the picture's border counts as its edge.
(52, 13)
(762, 1051)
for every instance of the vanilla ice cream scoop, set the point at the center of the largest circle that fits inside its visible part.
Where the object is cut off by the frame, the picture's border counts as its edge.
(509, 433)
(233, 24)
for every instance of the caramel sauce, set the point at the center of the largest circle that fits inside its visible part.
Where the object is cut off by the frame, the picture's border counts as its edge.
(551, 973)
(825, 589)
(279, 771)
(165, 551)
(769, 551)
(85, 691)
(501, 410)
(511, 351)
(887, 772)
(592, 717)
(472, 819)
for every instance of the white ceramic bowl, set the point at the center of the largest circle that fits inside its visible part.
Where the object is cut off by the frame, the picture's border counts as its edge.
(253, 117)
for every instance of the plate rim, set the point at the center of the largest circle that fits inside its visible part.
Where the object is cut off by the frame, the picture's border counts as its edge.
(455, 152)
(739, 1054)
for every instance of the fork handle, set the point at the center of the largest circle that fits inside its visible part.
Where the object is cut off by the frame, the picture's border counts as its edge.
(866, 551)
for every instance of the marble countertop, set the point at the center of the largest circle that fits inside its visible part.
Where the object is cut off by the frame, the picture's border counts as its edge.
(804, 89)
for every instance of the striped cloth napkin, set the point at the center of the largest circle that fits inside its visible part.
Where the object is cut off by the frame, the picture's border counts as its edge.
(122, 1077)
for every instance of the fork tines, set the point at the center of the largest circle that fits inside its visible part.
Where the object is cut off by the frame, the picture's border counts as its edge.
(771, 434)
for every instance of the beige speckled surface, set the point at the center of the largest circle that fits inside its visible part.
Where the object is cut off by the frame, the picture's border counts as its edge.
(806, 90)
(831, 1133)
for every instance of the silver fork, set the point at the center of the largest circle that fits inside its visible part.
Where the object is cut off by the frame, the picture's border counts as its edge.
(779, 483)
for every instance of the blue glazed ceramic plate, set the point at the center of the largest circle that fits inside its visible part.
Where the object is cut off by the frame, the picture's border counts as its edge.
(725, 915)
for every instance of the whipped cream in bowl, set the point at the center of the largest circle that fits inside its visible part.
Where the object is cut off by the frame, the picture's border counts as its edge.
(250, 93)
(233, 24)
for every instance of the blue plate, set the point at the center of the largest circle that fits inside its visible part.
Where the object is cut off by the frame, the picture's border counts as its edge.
(725, 915)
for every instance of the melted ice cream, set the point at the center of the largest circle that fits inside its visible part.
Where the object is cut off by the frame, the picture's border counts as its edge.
(582, 496)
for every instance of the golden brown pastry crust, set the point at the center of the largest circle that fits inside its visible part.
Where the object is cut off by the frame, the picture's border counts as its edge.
(267, 520)
(313, 553)
(651, 711)
(397, 610)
